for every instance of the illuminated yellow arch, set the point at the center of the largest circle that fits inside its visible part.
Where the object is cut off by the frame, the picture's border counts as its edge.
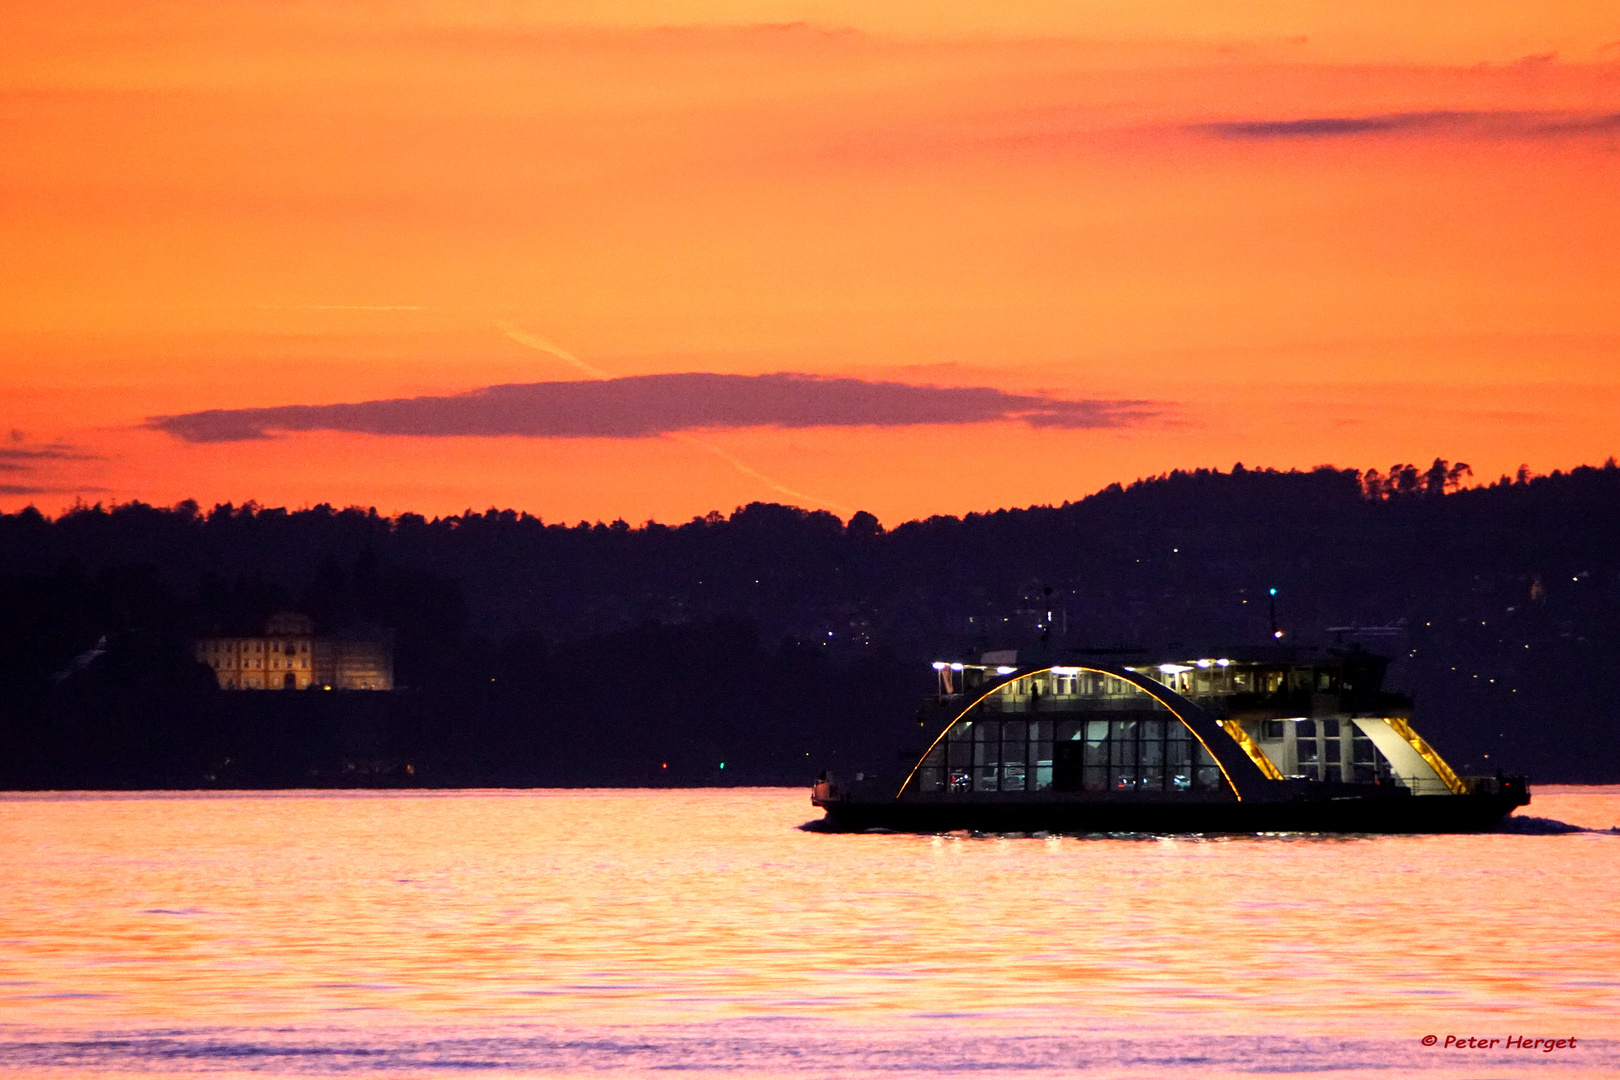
(1191, 716)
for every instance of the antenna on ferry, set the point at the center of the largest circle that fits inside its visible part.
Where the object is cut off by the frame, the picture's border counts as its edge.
(1275, 633)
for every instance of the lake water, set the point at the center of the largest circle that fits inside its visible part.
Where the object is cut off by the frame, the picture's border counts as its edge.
(579, 932)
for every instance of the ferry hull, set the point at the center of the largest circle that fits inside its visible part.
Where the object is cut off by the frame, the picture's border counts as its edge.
(1410, 814)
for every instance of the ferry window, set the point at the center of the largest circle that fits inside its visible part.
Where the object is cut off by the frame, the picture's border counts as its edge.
(1304, 729)
(986, 758)
(1330, 729)
(1365, 764)
(1040, 748)
(1122, 754)
(1124, 742)
(1150, 771)
(1095, 774)
(1096, 730)
(1014, 756)
(1273, 729)
(1307, 752)
(1324, 681)
(930, 779)
(1178, 758)
(1331, 773)
(1207, 776)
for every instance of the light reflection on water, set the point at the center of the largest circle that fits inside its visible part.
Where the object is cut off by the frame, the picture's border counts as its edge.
(514, 932)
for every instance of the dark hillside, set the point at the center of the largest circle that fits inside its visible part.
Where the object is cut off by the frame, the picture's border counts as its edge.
(778, 640)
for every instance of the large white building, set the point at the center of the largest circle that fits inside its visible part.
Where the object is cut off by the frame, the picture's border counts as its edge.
(288, 656)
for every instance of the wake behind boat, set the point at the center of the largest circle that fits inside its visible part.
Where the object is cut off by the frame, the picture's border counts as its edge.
(1257, 741)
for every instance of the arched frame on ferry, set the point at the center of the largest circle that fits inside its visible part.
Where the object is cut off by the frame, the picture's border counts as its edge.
(1244, 769)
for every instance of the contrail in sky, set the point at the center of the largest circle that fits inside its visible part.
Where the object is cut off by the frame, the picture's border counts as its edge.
(534, 341)
(748, 470)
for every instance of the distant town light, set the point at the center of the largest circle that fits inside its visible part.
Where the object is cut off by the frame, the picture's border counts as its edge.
(1276, 633)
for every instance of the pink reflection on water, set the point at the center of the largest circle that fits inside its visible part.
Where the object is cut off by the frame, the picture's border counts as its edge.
(387, 915)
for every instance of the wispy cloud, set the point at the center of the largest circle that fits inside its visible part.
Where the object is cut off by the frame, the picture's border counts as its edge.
(51, 489)
(649, 405)
(1477, 124)
(22, 456)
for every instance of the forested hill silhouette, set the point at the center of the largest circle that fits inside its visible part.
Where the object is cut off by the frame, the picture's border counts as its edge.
(777, 640)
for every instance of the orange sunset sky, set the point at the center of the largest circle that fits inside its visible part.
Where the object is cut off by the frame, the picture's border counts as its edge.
(1009, 253)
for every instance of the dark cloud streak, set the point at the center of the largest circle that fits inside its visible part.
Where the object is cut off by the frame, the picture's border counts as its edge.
(21, 458)
(648, 405)
(54, 489)
(1487, 124)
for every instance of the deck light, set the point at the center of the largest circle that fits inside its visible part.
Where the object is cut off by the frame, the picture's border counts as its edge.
(1065, 671)
(1223, 663)
(1174, 669)
(1205, 663)
(940, 665)
(1004, 670)
(956, 667)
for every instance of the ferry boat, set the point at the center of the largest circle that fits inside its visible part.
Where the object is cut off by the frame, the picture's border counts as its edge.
(1262, 740)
